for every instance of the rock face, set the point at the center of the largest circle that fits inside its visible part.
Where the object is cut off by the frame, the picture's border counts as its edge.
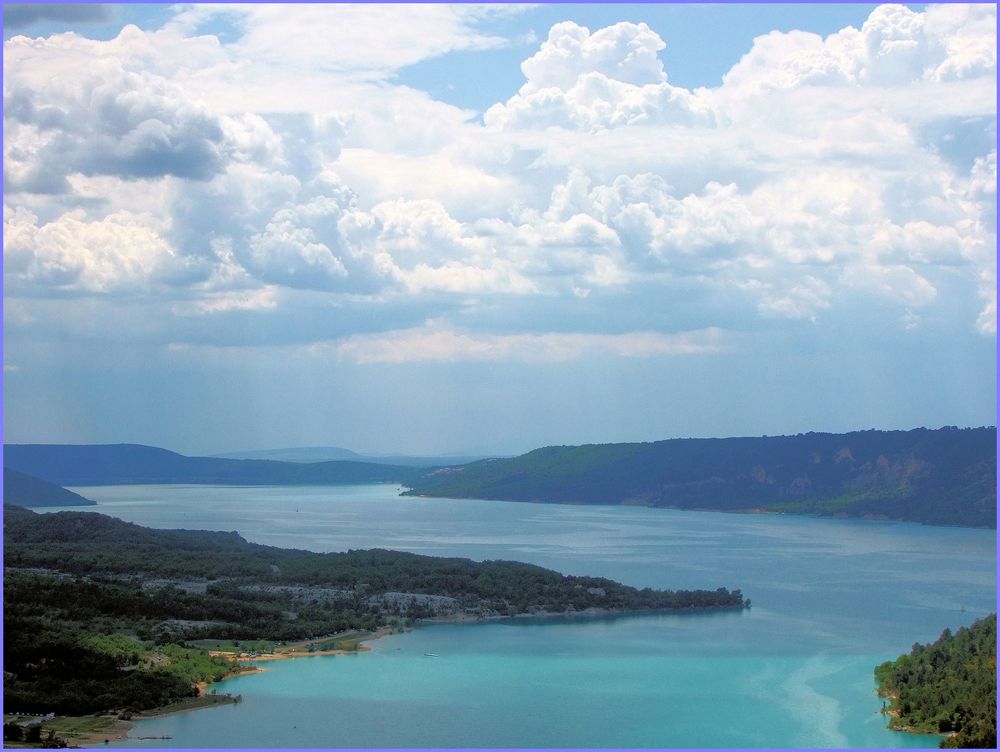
(944, 477)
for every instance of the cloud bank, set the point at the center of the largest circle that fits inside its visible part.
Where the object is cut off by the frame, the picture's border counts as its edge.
(214, 178)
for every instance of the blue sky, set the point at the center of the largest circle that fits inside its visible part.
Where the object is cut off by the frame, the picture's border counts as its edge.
(457, 228)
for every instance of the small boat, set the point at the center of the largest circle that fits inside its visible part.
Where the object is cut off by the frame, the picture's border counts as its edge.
(431, 655)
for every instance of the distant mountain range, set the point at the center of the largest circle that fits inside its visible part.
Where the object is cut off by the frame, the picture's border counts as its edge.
(941, 477)
(28, 491)
(116, 464)
(325, 454)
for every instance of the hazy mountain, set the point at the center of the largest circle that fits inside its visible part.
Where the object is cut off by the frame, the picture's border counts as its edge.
(28, 491)
(111, 464)
(325, 454)
(945, 476)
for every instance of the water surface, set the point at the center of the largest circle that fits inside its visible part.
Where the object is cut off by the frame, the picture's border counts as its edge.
(831, 599)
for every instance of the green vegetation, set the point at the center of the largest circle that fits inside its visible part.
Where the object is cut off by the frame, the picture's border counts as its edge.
(28, 491)
(235, 646)
(252, 584)
(947, 687)
(940, 477)
(70, 728)
(59, 666)
(101, 614)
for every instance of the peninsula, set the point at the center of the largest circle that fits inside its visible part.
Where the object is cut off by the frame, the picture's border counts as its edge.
(102, 615)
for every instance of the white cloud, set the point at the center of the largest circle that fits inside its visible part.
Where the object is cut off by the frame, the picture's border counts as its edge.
(608, 79)
(435, 343)
(801, 301)
(290, 254)
(120, 253)
(823, 173)
(894, 46)
(103, 114)
(987, 319)
(467, 189)
(342, 37)
(266, 298)
(896, 282)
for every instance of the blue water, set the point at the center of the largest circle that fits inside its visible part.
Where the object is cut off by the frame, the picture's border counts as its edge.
(832, 598)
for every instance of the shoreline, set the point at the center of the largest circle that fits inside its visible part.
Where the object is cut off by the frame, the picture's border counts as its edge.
(894, 715)
(118, 728)
(752, 511)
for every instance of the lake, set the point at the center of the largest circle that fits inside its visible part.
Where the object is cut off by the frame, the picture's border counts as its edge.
(831, 599)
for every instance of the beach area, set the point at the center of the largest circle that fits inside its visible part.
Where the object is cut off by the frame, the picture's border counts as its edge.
(100, 729)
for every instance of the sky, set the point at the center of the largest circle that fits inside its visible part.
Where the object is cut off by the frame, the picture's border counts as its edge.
(486, 228)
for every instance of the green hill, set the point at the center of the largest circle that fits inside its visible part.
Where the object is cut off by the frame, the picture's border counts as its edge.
(947, 687)
(942, 477)
(116, 464)
(28, 491)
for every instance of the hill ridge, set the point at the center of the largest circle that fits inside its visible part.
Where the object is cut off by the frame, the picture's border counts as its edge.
(944, 476)
(119, 464)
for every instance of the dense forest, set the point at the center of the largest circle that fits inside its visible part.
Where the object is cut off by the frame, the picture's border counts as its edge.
(28, 491)
(947, 687)
(116, 464)
(941, 477)
(77, 584)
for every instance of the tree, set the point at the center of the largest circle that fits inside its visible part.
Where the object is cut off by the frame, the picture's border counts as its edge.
(12, 732)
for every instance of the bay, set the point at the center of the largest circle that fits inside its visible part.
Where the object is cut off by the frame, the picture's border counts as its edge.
(831, 599)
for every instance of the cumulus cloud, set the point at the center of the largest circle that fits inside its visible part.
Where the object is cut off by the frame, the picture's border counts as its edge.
(121, 252)
(610, 78)
(423, 248)
(103, 117)
(824, 171)
(894, 46)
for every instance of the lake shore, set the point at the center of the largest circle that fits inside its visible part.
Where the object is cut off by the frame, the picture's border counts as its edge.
(96, 731)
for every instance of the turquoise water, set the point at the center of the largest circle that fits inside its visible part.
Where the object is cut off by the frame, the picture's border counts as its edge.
(832, 598)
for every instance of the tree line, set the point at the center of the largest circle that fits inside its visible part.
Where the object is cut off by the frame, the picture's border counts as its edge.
(947, 687)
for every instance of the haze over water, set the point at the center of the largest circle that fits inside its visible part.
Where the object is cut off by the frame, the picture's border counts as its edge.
(831, 599)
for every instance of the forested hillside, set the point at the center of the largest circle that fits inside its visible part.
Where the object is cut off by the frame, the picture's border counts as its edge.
(947, 687)
(942, 477)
